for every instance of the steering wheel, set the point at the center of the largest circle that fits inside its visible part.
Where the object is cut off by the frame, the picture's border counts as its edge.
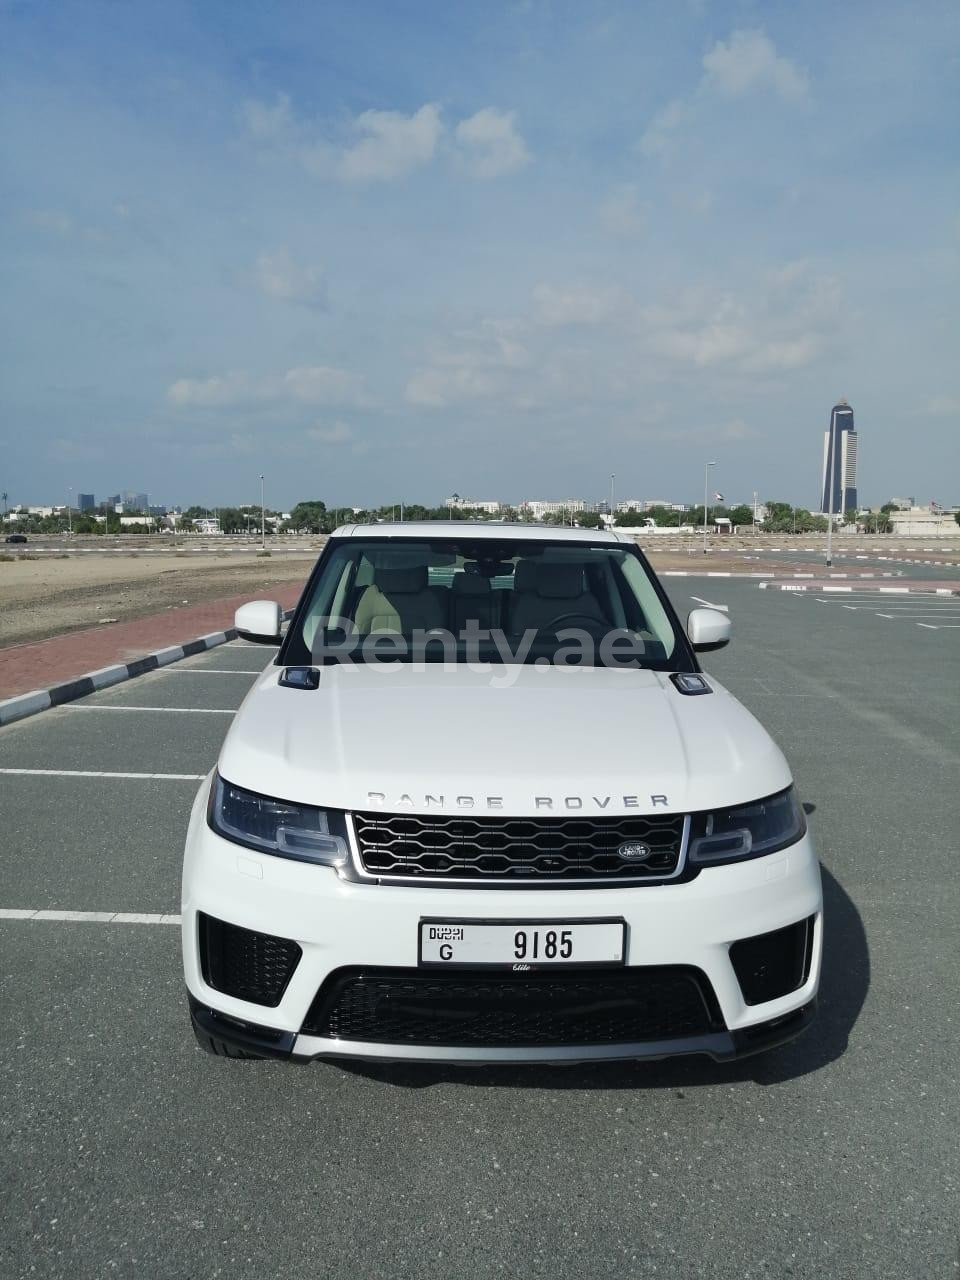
(593, 623)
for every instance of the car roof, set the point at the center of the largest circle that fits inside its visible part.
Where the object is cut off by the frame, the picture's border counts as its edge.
(497, 531)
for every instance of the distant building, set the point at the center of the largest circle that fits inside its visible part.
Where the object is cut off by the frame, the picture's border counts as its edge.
(538, 508)
(924, 522)
(472, 504)
(85, 502)
(839, 486)
(901, 504)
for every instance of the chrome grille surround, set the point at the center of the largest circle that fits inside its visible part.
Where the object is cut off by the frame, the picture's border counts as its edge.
(460, 849)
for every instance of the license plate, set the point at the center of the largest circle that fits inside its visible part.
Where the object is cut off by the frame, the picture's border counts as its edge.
(522, 944)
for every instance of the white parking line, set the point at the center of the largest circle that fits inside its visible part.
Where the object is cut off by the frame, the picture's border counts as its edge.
(199, 711)
(722, 607)
(88, 917)
(99, 773)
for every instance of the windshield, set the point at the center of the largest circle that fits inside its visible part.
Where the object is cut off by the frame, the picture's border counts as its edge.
(470, 599)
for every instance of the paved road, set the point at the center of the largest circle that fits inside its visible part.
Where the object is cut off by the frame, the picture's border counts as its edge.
(127, 1152)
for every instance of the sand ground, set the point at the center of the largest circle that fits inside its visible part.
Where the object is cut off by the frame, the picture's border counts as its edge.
(47, 597)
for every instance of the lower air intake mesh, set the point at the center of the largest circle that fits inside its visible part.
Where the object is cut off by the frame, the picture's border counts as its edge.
(404, 1006)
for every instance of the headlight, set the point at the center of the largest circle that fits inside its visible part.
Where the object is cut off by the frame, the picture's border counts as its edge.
(298, 831)
(747, 831)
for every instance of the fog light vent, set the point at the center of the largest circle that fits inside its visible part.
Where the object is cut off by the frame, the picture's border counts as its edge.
(773, 964)
(244, 964)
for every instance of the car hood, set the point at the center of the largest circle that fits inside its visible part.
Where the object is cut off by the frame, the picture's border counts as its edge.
(553, 740)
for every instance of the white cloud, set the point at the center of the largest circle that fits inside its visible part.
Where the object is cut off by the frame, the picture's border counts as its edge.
(578, 305)
(483, 363)
(269, 122)
(211, 393)
(661, 130)
(782, 323)
(337, 434)
(306, 384)
(51, 220)
(749, 61)
(279, 276)
(320, 384)
(381, 146)
(376, 146)
(62, 225)
(394, 144)
(621, 214)
(489, 143)
(435, 388)
(944, 406)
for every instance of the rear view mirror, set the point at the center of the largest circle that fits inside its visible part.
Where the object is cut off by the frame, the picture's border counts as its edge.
(259, 620)
(708, 629)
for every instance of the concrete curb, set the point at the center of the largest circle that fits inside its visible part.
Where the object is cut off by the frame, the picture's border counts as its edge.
(29, 704)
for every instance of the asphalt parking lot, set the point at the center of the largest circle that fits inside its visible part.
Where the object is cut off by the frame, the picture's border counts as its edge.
(126, 1151)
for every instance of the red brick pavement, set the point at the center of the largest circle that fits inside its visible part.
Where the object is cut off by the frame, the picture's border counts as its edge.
(25, 667)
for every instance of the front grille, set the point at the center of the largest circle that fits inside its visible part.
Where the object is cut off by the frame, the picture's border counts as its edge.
(404, 1006)
(248, 965)
(458, 847)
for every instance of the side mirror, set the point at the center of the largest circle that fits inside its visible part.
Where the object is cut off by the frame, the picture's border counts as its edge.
(259, 620)
(708, 629)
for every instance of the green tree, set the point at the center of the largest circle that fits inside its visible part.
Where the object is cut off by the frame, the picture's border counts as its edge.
(632, 518)
(589, 520)
(665, 516)
(779, 516)
(741, 515)
(310, 517)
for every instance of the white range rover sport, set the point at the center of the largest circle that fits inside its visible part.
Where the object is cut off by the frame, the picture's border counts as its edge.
(484, 806)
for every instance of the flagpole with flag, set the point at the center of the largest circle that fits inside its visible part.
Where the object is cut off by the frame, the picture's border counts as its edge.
(706, 491)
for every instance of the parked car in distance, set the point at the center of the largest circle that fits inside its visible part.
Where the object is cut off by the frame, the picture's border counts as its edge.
(16, 537)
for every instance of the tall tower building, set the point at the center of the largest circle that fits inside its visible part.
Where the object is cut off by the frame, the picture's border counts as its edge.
(839, 462)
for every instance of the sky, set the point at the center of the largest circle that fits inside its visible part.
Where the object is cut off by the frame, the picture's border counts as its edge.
(390, 250)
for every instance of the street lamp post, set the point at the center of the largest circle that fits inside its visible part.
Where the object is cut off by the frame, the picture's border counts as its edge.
(613, 509)
(69, 516)
(706, 483)
(263, 523)
(833, 455)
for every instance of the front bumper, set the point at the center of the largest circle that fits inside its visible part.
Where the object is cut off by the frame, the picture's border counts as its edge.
(339, 925)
